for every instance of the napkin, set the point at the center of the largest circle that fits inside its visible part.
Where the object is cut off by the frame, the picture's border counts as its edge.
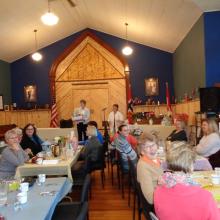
(50, 162)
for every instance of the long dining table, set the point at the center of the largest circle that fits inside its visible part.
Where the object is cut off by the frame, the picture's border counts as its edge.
(41, 200)
(62, 167)
(204, 179)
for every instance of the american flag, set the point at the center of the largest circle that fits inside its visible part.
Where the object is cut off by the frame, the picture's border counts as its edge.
(54, 115)
(169, 108)
(130, 104)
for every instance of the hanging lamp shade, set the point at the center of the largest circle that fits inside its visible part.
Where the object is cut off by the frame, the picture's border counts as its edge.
(127, 50)
(49, 18)
(36, 56)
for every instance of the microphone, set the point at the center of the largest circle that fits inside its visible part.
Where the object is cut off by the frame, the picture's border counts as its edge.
(104, 109)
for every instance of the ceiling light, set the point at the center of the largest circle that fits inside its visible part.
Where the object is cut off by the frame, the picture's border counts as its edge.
(49, 18)
(127, 50)
(36, 56)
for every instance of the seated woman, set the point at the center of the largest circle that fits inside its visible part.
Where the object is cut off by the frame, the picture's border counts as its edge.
(179, 134)
(12, 156)
(210, 142)
(177, 196)
(130, 138)
(148, 167)
(90, 152)
(124, 147)
(92, 145)
(31, 142)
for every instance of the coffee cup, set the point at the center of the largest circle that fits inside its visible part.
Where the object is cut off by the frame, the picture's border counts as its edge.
(24, 187)
(22, 197)
(215, 179)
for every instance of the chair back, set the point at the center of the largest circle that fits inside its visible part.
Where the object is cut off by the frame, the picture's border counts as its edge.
(121, 163)
(153, 216)
(146, 206)
(85, 189)
(83, 212)
(66, 123)
(99, 163)
(133, 174)
(214, 159)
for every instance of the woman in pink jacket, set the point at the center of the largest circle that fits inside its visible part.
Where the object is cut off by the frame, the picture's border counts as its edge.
(177, 197)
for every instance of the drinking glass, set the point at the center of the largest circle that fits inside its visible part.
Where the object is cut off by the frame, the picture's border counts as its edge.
(3, 193)
(41, 179)
(217, 171)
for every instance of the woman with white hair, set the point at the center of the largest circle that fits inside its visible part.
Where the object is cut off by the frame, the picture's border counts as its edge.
(12, 156)
(210, 142)
(177, 196)
(148, 167)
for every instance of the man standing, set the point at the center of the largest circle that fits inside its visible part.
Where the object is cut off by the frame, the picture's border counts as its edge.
(81, 117)
(115, 119)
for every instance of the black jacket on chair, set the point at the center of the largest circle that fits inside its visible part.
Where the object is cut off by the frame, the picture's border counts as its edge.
(214, 159)
(35, 146)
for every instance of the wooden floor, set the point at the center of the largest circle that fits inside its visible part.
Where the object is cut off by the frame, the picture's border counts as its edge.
(107, 203)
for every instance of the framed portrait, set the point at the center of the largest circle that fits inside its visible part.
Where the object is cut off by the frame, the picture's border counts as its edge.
(30, 93)
(1, 103)
(152, 86)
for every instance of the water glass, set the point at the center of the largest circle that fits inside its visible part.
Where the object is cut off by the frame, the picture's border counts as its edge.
(41, 179)
(3, 193)
(22, 197)
(24, 187)
(217, 171)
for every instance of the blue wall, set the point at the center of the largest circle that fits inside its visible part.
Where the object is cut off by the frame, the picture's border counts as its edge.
(189, 62)
(144, 62)
(212, 47)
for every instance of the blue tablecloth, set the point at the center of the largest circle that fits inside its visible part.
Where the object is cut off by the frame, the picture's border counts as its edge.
(38, 207)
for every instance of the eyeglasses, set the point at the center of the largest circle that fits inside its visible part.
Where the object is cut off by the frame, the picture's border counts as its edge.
(29, 129)
(15, 137)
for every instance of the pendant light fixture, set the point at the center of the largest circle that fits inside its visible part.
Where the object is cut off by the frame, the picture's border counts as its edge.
(127, 50)
(49, 18)
(36, 56)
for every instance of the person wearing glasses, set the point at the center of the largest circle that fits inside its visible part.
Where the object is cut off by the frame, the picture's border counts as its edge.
(31, 142)
(12, 156)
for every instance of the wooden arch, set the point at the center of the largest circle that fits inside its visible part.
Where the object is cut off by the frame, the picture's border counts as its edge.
(67, 51)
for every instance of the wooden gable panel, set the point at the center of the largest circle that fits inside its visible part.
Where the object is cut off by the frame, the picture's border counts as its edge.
(89, 64)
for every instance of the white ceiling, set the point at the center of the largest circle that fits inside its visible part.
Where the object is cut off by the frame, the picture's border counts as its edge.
(157, 23)
(208, 5)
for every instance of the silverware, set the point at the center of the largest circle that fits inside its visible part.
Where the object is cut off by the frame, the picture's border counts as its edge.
(48, 193)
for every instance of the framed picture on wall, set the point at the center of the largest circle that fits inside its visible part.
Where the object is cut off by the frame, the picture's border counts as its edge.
(1, 103)
(30, 93)
(152, 86)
